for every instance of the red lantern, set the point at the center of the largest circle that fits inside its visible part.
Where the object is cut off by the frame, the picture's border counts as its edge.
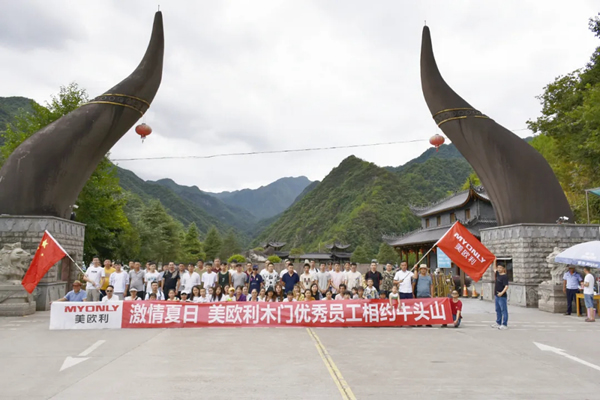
(436, 140)
(143, 130)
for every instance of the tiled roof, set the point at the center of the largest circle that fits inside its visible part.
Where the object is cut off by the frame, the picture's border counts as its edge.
(455, 201)
(432, 235)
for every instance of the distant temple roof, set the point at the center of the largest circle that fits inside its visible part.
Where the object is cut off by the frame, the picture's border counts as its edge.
(431, 235)
(454, 201)
(275, 245)
(326, 256)
(338, 246)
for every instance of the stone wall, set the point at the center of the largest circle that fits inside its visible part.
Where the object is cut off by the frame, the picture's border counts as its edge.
(29, 231)
(528, 245)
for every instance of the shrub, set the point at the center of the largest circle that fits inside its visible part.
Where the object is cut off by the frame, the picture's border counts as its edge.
(236, 258)
(274, 259)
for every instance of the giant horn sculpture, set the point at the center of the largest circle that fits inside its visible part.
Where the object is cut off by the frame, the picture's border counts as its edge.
(45, 174)
(519, 181)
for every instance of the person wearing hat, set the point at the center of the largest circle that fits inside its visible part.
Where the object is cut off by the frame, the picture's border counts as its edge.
(76, 294)
(230, 296)
(255, 280)
(185, 295)
(132, 295)
(424, 283)
(571, 283)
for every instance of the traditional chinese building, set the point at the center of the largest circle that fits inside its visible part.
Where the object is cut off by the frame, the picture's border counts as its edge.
(274, 248)
(471, 207)
(337, 253)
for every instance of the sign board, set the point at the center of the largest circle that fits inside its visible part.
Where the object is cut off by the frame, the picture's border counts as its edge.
(443, 261)
(167, 314)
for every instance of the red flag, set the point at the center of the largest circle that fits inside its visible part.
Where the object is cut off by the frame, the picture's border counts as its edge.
(48, 253)
(466, 251)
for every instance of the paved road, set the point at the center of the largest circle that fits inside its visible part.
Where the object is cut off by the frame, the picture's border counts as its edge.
(473, 362)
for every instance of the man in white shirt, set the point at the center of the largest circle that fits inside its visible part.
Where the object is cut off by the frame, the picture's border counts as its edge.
(93, 277)
(313, 267)
(354, 279)
(119, 280)
(190, 279)
(337, 278)
(270, 276)
(306, 279)
(403, 278)
(209, 278)
(154, 290)
(346, 271)
(110, 295)
(588, 294)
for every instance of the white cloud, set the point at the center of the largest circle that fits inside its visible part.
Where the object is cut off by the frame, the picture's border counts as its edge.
(264, 75)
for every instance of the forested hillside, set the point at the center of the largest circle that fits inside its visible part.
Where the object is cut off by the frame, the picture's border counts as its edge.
(359, 201)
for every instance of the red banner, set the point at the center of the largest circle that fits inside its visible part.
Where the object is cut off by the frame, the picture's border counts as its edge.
(165, 314)
(466, 251)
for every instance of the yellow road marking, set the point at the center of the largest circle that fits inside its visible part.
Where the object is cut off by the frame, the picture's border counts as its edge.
(335, 373)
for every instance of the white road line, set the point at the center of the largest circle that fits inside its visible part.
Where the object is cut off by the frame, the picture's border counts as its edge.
(561, 352)
(91, 348)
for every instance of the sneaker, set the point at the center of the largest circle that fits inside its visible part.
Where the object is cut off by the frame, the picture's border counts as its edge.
(495, 326)
(503, 327)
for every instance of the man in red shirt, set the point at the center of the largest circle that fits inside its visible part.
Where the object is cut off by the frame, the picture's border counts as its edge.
(456, 307)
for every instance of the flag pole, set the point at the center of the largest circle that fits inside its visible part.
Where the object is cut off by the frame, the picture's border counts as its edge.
(66, 252)
(432, 247)
(424, 255)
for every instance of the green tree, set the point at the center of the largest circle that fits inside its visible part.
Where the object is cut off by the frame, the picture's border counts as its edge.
(212, 243)
(237, 258)
(108, 232)
(191, 245)
(274, 259)
(230, 245)
(360, 255)
(569, 130)
(160, 234)
(27, 123)
(296, 251)
(387, 254)
(473, 179)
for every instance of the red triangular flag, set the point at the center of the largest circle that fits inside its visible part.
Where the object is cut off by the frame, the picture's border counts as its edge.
(48, 253)
(466, 251)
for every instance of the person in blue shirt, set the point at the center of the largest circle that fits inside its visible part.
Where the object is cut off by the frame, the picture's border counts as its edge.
(290, 279)
(76, 294)
(571, 282)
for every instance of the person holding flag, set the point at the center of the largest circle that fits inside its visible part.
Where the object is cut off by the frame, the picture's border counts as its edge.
(76, 294)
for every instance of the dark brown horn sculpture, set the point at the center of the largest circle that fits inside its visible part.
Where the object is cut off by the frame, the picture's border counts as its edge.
(519, 181)
(45, 174)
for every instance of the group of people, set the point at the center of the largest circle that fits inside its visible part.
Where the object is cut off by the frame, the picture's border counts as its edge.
(573, 283)
(219, 281)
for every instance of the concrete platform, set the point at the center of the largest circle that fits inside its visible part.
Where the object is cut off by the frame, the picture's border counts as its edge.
(472, 362)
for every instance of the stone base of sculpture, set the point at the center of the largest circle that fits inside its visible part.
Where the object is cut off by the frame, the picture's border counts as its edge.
(529, 250)
(519, 294)
(15, 301)
(551, 298)
(27, 231)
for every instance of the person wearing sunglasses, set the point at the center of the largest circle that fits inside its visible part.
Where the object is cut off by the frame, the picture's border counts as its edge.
(110, 295)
